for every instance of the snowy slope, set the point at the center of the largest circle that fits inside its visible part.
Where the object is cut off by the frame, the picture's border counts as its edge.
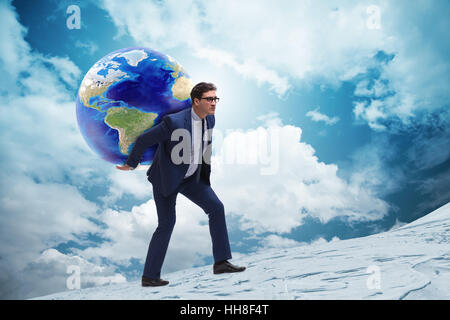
(411, 262)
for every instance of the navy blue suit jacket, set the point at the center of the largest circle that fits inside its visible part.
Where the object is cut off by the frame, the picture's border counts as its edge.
(164, 174)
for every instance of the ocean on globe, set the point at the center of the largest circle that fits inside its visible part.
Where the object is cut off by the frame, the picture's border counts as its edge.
(126, 93)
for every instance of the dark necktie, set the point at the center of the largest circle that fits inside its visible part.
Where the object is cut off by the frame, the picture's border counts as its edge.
(199, 168)
(203, 135)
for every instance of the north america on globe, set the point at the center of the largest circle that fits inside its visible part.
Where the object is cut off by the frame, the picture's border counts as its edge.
(126, 93)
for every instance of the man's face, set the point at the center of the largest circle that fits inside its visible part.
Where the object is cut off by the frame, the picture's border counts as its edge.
(205, 106)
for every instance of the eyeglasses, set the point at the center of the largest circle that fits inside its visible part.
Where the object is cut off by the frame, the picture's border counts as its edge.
(211, 99)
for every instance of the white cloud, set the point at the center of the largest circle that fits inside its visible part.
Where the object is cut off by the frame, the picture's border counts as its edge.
(248, 69)
(59, 209)
(44, 157)
(48, 164)
(34, 218)
(437, 191)
(417, 78)
(310, 42)
(263, 203)
(372, 113)
(89, 46)
(271, 119)
(316, 116)
(377, 89)
(129, 235)
(275, 241)
(301, 185)
(14, 54)
(300, 40)
(369, 169)
(320, 241)
(53, 272)
(66, 69)
(126, 182)
(430, 147)
(397, 224)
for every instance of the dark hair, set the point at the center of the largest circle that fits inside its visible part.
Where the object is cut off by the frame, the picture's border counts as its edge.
(200, 88)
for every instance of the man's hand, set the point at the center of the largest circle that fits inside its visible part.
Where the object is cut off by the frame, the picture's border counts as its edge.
(124, 167)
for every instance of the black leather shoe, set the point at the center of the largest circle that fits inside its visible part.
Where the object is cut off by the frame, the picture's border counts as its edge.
(226, 267)
(149, 282)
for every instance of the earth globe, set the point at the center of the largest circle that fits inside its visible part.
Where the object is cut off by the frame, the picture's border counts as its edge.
(125, 94)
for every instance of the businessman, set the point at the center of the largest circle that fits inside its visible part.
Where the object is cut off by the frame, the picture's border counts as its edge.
(184, 170)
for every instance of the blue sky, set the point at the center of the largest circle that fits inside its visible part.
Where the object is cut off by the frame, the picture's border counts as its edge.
(358, 94)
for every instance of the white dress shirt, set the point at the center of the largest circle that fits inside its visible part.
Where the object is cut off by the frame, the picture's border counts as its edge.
(196, 143)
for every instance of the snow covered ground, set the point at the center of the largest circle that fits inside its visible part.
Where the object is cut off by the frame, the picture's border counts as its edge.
(411, 262)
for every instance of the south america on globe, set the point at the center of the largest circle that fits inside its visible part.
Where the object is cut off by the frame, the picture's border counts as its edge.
(126, 93)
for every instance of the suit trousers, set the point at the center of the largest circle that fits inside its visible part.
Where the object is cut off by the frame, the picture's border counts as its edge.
(202, 195)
